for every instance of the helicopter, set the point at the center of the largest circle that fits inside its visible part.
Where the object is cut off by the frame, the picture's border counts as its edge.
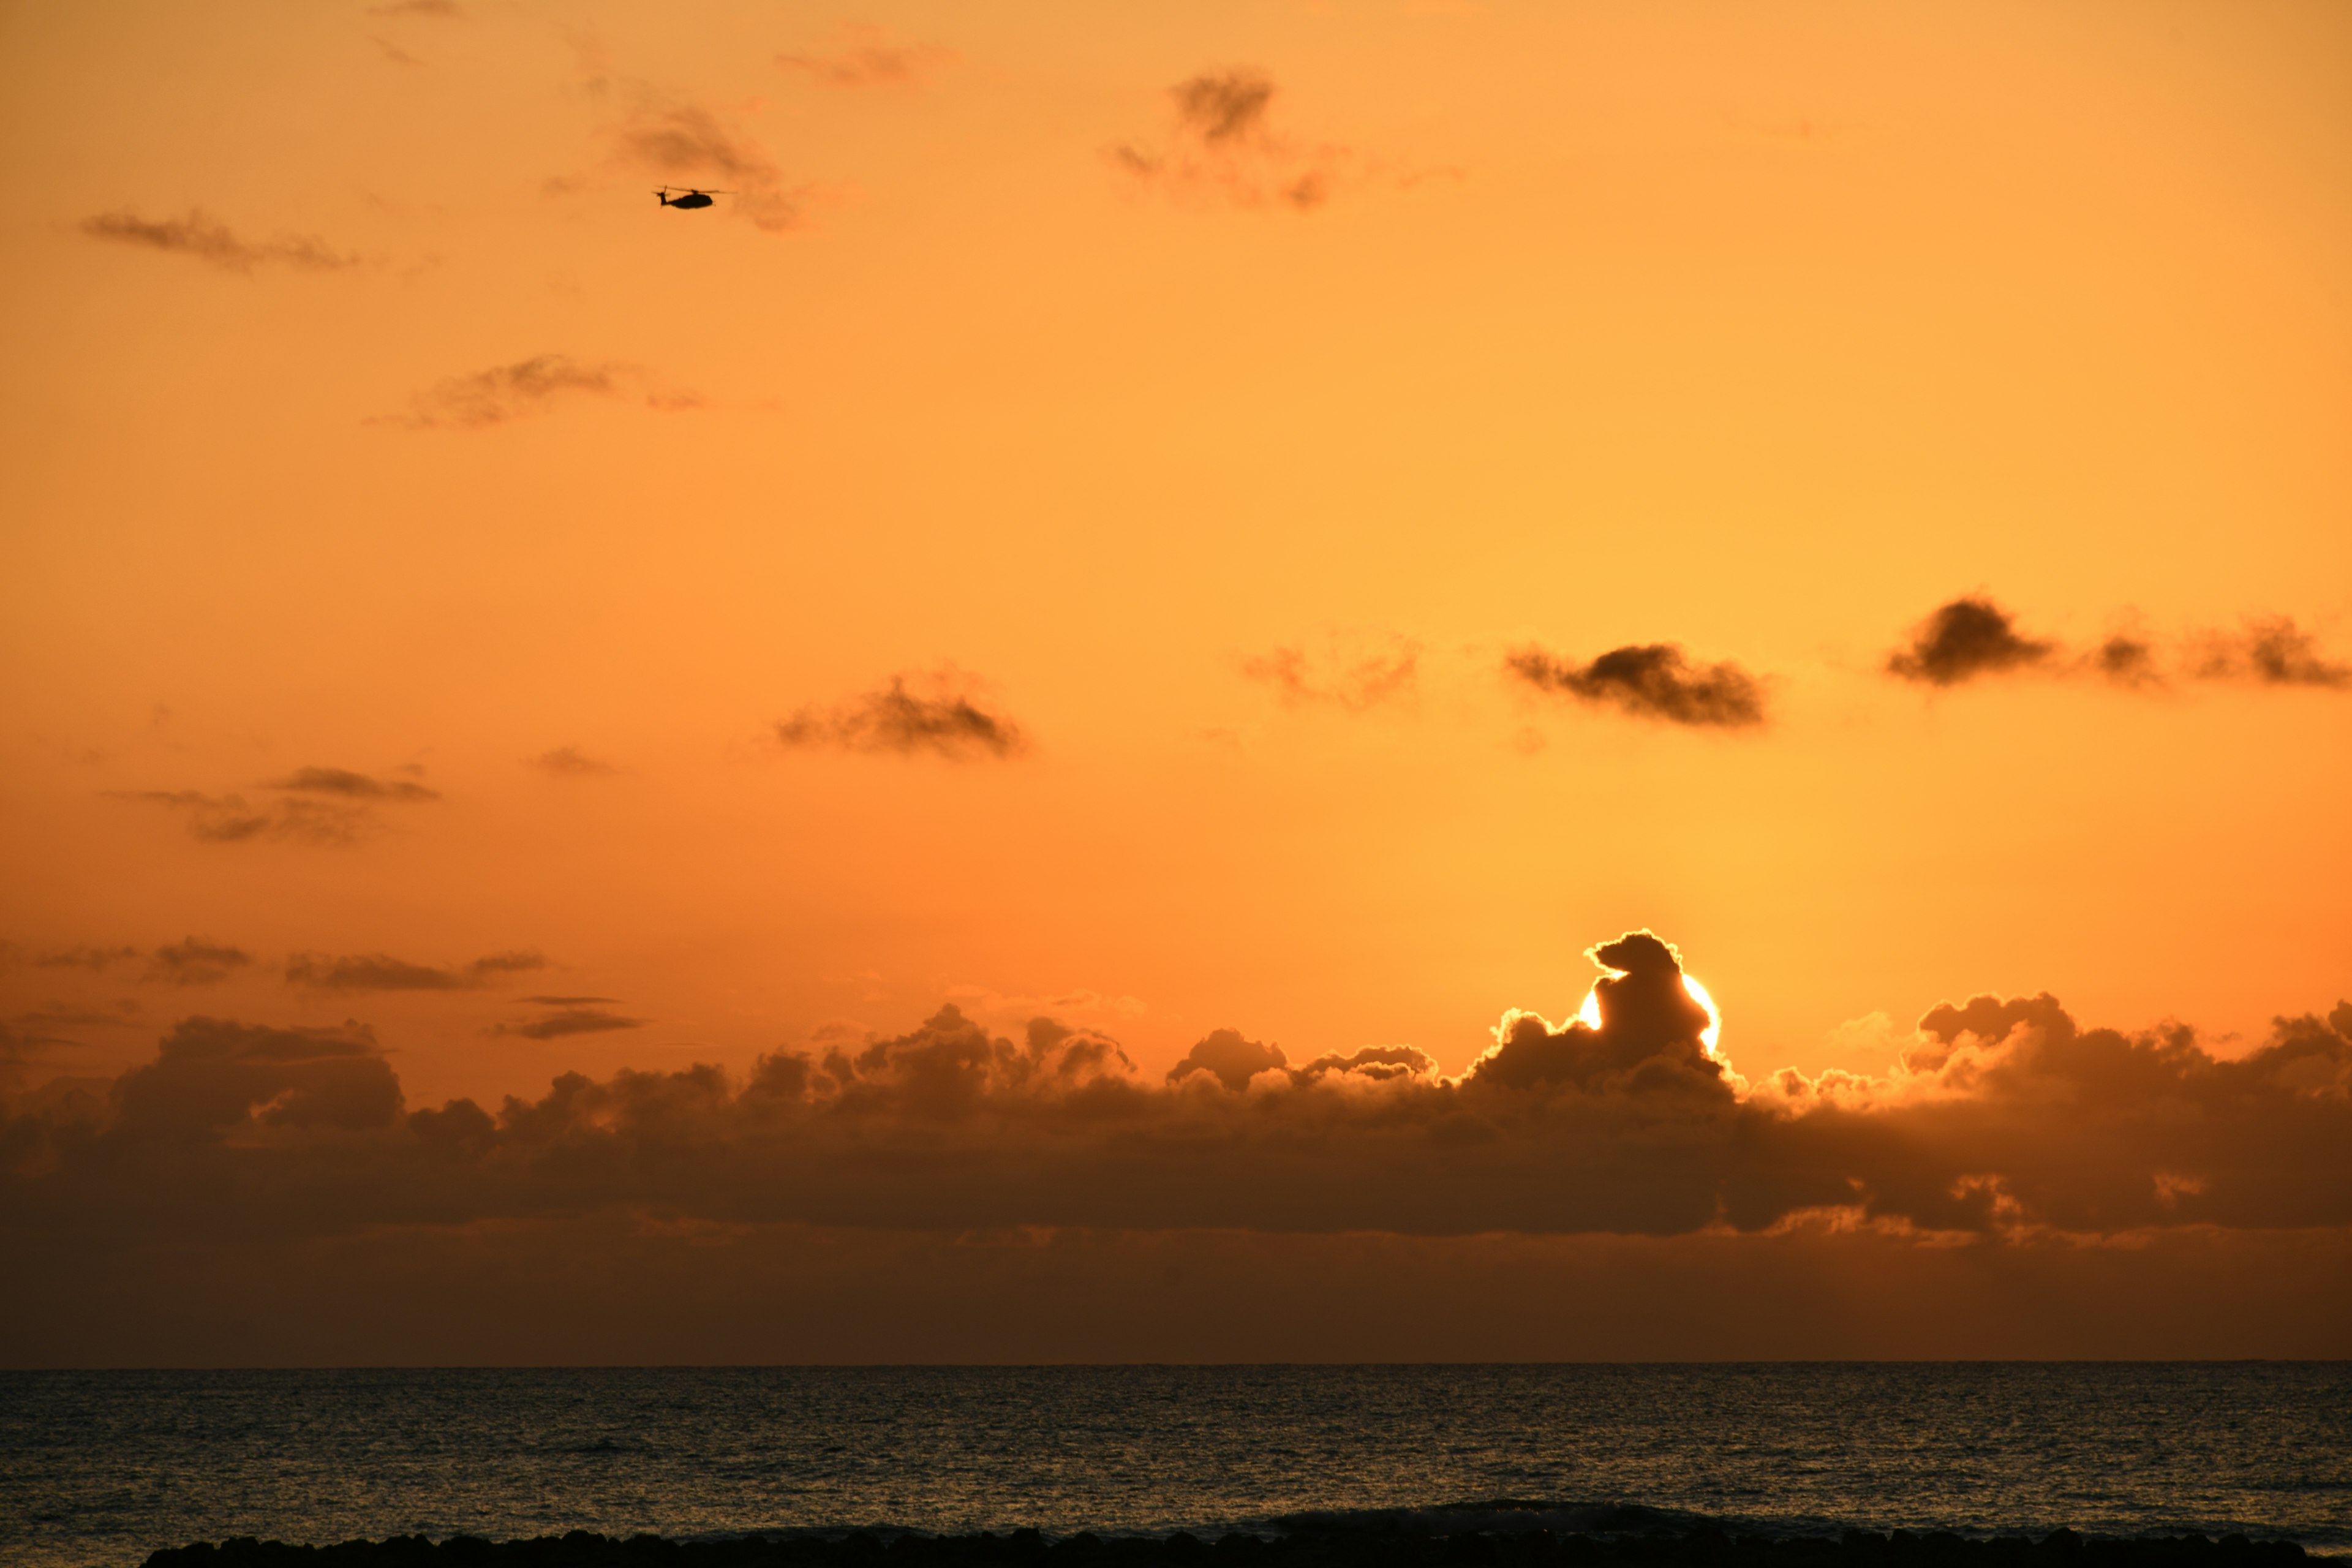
(690, 197)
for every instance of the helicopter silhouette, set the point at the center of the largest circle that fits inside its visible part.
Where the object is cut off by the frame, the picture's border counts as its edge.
(691, 198)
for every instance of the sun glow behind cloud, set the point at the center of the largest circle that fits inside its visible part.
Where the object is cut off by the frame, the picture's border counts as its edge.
(1714, 1030)
(1589, 1014)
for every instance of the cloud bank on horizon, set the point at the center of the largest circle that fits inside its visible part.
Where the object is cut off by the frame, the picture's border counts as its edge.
(2005, 1119)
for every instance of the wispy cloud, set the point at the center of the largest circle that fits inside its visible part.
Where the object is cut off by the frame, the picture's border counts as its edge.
(940, 713)
(571, 1020)
(690, 145)
(1349, 676)
(199, 235)
(1652, 681)
(571, 763)
(865, 56)
(527, 387)
(97, 959)
(1222, 141)
(382, 971)
(2270, 651)
(195, 961)
(343, 783)
(317, 805)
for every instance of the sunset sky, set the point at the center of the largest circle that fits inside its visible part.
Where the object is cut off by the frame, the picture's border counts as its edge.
(1255, 532)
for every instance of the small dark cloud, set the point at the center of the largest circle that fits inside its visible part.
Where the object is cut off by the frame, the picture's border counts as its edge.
(92, 958)
(2127, 661)
(195, 961)
(1353, 680)
(944, 717)
(1966, 639)
(866, 58)
(565, 1021)
(351, 785)
(1221, 141)
(1652, 681)
(2271, 650)
(530, 386)
(571, 763)
(1223, 106)
(568, 1001)
(382, 971)
(207, 238)
(689, 145)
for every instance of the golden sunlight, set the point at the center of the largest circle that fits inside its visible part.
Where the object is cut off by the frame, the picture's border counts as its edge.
(1714, 1030)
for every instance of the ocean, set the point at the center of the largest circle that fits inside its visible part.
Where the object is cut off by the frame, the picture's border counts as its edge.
(100, 1468)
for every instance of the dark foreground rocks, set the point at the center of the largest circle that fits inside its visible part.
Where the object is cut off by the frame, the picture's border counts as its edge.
(1332, 1548)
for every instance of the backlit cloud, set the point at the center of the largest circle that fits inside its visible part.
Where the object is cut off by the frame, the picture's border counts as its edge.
(199, 235)
(195, 961)
(684, 144)
(1654, 680)
(2004, 1122)
(866, 57)
(1221, 141)
(382, 971)
(940, 713)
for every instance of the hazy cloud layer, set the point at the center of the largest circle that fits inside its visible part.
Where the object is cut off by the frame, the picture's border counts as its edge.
(382, 971)
(1350, 677)
(1652, 680)
(506, 393)
(1222, 142)
(195, 961)
(867, 57)
(1972, 637)
(939, 714)
(199, 235)
(686, 145)
(98, 959)
(2004, 1121)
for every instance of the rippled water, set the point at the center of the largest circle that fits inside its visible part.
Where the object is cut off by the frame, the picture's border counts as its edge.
(100, 1468)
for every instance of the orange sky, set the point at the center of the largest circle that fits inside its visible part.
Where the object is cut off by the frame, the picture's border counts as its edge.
(1218, 443)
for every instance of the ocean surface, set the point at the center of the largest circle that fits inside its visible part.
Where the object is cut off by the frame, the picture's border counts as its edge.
(102, 1467)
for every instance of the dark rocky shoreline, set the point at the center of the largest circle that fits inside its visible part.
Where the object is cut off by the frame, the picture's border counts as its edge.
(1327, 1548)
